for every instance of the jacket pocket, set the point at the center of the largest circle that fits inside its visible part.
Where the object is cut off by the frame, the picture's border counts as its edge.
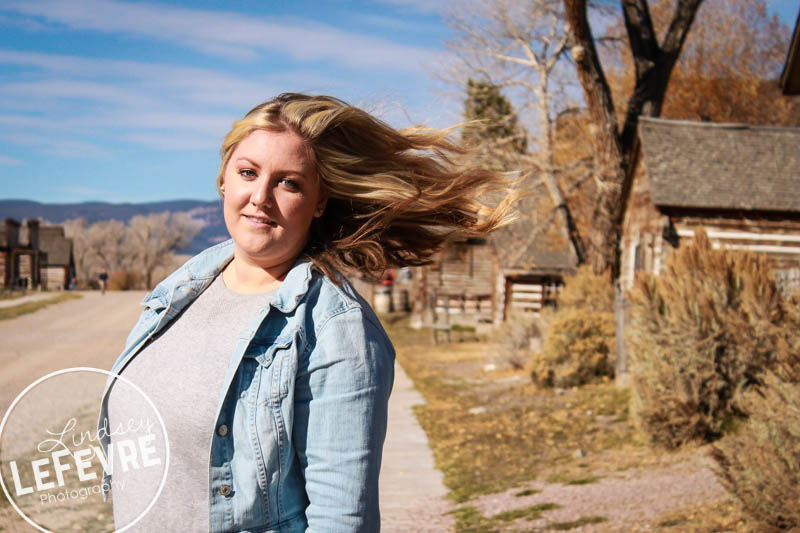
(264, 350)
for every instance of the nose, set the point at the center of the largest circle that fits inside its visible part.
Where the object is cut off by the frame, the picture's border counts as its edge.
(261, 195)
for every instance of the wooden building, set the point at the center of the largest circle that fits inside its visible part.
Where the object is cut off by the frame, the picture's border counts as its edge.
(20, 257)
(485, 280)
(532, 276)
(34, 257)
(459, 285)
(58, 265)
(739, 183)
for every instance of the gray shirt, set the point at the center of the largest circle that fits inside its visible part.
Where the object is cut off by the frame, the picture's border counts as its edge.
(181, 370)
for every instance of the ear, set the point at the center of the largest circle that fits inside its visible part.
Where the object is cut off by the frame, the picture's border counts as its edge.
(321, 203)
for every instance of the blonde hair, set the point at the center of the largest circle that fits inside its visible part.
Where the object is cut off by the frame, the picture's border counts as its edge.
(394, 197)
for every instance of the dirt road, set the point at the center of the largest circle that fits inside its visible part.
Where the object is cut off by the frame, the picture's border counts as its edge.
(86, 332)
(89, 332)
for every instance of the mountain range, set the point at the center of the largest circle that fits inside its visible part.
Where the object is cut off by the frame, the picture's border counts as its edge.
(208, 212)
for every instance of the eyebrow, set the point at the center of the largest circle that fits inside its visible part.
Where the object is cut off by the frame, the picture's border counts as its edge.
(248, 160)
(293, 172)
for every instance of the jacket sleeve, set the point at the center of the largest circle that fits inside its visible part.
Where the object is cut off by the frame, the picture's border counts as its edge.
(341, 398)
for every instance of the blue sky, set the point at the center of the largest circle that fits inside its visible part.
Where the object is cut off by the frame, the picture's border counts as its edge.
(128, 101)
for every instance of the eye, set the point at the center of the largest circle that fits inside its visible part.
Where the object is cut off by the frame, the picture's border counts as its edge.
(290, 183)
(247, 173)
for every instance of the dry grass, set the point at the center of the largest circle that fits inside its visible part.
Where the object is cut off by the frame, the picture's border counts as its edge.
(703, 518)
(524, 434)
(14, 311)
(13, 294)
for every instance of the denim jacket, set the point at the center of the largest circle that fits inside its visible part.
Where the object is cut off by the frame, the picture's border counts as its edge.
(305, 398)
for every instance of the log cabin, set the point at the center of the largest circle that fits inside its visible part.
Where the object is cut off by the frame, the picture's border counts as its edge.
(740, 183)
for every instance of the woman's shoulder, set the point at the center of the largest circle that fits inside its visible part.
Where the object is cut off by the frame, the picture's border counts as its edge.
(206, 264)
(332, 297)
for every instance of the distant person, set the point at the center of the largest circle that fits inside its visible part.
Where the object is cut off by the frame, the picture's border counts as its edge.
(103, 278)
(73, 284)
(387, 279)
(272, 374)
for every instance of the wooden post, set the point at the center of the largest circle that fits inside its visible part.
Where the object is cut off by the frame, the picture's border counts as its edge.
(619, 312)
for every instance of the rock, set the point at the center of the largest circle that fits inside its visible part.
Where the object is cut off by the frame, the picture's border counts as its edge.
(489, 367)
(579, 453)
(477, 410)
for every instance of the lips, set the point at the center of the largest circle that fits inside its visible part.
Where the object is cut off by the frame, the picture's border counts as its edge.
(261, 221)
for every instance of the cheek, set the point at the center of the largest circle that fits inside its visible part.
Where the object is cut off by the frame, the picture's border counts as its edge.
(301, 214)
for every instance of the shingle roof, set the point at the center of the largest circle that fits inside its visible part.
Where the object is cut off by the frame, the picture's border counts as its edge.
(57, 247)
(545, 254)
(721, 166)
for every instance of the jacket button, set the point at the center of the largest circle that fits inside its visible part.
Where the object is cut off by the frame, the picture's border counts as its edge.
(225, 490)
(222, 430)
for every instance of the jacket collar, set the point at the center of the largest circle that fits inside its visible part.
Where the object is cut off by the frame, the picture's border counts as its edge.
(198, 273)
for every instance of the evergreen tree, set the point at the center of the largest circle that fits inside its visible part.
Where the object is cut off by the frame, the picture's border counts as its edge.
(495, 127)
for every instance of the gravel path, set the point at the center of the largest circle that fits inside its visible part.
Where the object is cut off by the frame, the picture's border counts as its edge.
(626, 499)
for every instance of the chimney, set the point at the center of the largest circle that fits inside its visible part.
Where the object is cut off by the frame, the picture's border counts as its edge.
(33, 234)
(9, 233)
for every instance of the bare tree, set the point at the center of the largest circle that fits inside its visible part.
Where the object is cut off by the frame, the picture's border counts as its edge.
(77, 229)
(107, 242)
(153, 239)
(521, 46)
(616, 149)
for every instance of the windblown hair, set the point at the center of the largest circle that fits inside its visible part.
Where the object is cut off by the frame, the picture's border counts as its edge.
(394, 197)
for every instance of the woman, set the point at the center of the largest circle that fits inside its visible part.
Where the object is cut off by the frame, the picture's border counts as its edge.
(271, 373)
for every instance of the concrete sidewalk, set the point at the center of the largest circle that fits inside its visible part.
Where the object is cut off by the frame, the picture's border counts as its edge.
(412, 494)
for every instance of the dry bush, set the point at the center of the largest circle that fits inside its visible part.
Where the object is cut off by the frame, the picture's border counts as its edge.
(701, 334)
(579, 349)
(123, 280)
(514, 337)
(586, 290)
(760, 463)
(579, 343)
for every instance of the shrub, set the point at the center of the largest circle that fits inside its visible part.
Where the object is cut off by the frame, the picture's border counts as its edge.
(760, 463)
(701, 334)
(579, 344)
(123, 280)
(514, 336)
(579, 348)
(587, 290)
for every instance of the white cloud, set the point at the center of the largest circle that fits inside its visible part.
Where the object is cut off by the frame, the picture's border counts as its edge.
(24, 23)
(171, 141)
(9, 161)
(229, 35)
(61, 103)
(169, 107)
(61, 89)
(63, 146)
(420, 6)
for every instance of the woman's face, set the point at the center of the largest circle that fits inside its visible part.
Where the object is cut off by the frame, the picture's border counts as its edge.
(271, 194)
